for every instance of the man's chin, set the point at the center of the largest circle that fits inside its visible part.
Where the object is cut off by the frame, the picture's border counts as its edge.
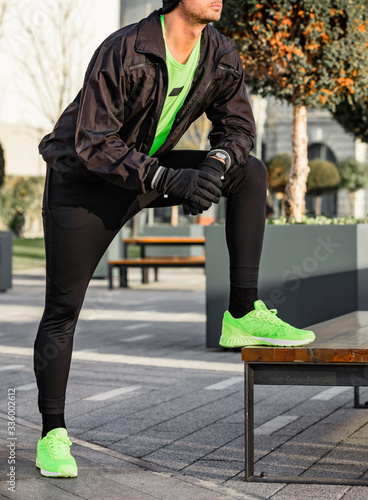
(211, 19)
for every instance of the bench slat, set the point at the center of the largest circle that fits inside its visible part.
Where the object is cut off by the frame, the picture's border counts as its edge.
(159, 261)
(155, 262)
(164, 240)
(346, 343)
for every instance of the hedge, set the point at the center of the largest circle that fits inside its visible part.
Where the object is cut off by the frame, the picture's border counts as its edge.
(21, 206)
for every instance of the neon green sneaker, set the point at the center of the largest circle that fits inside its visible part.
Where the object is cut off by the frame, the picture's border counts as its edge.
(261, 327)
(53, 455)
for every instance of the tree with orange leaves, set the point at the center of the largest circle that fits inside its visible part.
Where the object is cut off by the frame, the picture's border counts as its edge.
(307, 53)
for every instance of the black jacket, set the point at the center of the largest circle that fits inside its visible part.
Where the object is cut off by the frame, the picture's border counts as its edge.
(110, 126)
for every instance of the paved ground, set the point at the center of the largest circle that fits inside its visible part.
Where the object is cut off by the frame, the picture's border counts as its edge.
(154, 414)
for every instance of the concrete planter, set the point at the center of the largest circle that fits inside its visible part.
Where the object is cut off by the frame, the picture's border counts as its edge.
(6, 245)
(308, 273)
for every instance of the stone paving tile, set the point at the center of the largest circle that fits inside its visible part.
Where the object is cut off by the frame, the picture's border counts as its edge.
(281, 402)
(234, 450)
(175, 407)
(200, 417)
(171, 489)
(116, 430)
(263, 392)
(128, 374)
(143, 444)
(292, 458)
(361, 434)
(129, 408)
(349, 460)
(217, 471)
(183, 425)
(159, 403)
(356, 493)
(260, 490)
(236, 417)
(329, 433)
(303, 491)
(191, 448)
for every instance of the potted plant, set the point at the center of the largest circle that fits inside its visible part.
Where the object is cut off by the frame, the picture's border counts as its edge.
(323, 178)
(354, 176)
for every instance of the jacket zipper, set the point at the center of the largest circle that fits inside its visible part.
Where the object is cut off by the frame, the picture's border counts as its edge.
(180, 118)
(157, 114)
(229, 69)
(198, 97)
(142, 65)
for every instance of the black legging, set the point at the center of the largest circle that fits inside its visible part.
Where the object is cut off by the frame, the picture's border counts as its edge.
(81, 220)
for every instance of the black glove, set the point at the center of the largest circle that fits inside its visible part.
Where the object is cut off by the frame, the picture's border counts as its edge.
(211, 166)
(191, 185)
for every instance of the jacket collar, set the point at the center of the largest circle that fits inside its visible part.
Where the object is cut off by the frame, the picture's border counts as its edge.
(150, 40)
(149, 37)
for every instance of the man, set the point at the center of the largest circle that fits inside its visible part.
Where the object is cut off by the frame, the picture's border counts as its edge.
(110, 155)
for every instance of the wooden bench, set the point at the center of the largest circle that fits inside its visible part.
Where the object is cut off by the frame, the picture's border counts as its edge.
(144, 241)
(338, 357)
(145, 262)
(150, 262)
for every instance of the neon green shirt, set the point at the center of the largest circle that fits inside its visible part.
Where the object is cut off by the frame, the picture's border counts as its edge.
(180, 79)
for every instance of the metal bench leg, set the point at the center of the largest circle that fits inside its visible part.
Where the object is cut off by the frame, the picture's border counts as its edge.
(145, 275)
(111, 285)
(123, 275)
(156, 273)
(249, 421)
(357, 403)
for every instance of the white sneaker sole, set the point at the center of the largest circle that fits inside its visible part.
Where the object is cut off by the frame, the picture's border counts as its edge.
(55, 474)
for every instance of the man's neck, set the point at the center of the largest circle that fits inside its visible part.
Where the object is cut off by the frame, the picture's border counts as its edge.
(181, 37)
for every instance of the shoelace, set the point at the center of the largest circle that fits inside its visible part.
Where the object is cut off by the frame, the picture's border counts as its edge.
(59, 447)
(270, 315)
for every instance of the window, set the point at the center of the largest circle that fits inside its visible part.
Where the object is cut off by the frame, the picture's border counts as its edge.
(322, 151)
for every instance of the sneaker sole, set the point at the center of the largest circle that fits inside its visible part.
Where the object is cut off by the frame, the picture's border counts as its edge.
(244, 339)
(56, 474)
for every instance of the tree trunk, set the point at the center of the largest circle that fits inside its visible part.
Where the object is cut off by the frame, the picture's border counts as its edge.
(318, 206)
(294, 197)
(352, 202)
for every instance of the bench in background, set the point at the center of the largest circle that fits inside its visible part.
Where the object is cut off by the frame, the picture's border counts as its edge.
(150, 262)
(146, 261)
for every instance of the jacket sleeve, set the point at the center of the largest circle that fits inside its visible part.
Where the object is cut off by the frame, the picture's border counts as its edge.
(100, 118)
(232, 117)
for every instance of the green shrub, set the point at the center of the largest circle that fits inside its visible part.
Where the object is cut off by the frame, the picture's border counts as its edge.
(278, 171)
(321, 220)
(354, 174)
(20, 205)
(323, 177)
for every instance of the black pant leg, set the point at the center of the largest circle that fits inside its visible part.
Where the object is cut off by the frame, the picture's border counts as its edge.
(80, 221)
(245, 189)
